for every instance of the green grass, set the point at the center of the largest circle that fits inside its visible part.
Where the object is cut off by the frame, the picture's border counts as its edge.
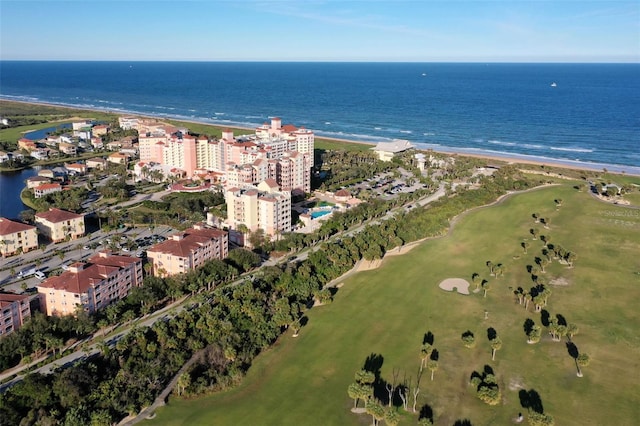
(329, 144)
(387, 311)
(633, 198)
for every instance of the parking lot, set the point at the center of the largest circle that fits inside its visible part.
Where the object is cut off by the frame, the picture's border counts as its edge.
(56, 257)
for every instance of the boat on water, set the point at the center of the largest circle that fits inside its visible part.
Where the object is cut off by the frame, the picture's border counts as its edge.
(554, 84)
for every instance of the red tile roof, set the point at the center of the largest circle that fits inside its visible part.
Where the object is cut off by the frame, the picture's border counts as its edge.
(45, 186)
(182, 247)
(56, 215)
(6, 299)
(98, 268)
(79, 282)
(271, 183)
(9, 226)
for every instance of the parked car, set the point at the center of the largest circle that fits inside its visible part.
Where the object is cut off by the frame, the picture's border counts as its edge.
(40, 275)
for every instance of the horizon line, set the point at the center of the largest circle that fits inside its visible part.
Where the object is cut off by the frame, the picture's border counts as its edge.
(635, 62)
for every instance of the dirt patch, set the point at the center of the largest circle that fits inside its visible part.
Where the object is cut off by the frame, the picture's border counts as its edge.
(559, 282)
(367, 265)
(455, 284)
(516, 383)
(400, 250)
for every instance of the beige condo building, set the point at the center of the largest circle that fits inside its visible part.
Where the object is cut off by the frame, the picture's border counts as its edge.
(16, 237)
(58, 225)
(103, 279)
(263, 207)
(188, 250)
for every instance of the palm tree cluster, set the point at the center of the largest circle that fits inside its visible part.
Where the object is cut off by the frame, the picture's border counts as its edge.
(486, 385)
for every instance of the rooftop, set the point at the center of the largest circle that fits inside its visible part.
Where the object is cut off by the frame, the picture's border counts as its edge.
(9, 226)
(56, 215)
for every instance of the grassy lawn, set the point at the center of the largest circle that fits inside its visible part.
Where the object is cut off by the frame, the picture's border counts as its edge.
(633, 198)
(328, 144)
(387, 312)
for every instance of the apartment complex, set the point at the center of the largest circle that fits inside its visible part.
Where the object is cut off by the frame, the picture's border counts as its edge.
(188, 250)
(16, 237)
(283, 153)
(103, 279)
(14, 311)
(58, 225)
(265, 207)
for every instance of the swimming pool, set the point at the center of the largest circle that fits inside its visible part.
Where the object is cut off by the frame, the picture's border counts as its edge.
(319, 213)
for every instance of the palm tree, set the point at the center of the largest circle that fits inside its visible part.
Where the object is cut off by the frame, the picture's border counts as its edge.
(490, 266)
(572, 330)
(534, 334)
(468, 339)
(432, 365)
(425, 352)
(365, 377)
(391, 417)
(374, 408)
(496, 345)
(354, 392)
(485, 286)
(425, 421)
(582, 361)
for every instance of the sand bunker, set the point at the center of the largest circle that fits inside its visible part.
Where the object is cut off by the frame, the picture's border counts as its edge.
(458, 284)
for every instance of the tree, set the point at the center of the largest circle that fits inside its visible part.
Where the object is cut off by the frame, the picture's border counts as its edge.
(425, 421)
(582, 361)
(355, 392)
(496, 345)
(572, 330)
(489, 394)
(432, 365)
(184, 381)
(365, 377)
(468, 339)
(375, 409)
(485, 287)
(391, 417)
(425, 352)
(540, 419)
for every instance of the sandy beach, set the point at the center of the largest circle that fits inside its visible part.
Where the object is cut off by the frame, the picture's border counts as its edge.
(498, 157)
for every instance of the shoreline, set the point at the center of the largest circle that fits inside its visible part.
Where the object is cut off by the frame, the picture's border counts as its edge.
(510, 158)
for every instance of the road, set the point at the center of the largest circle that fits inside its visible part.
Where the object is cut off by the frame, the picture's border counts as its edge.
(93, 349)
(180, 305)
(50, 261)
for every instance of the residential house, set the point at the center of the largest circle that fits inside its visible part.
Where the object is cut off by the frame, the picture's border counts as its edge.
(100, 129)
(39, 153)
(96, 163)
(46, 189)
(68, 148)
(76, 168)
(188, 250)
(16, 237)
(118, 158)
(58, 225)
(102, 280)
(34, 181)
(27, 144)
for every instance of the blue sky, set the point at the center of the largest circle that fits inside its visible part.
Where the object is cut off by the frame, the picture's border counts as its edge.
(329, 30)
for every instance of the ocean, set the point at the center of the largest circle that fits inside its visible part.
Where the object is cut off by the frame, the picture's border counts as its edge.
(589, 117)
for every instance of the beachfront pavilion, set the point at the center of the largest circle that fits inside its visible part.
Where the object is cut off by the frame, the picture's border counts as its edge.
(387, 150)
